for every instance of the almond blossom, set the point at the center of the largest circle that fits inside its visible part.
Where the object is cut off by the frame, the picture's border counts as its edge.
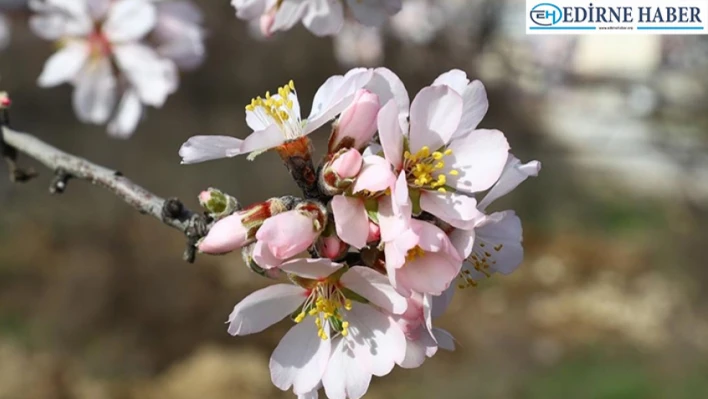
(275, 119)
(340, 340)
(321, 17)
(105, 53)
(444, 157)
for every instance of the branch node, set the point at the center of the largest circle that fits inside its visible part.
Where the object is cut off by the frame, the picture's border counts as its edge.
(60, 181)
(172, 209)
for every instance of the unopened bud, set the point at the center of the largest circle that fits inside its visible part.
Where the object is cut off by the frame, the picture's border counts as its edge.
(5, 101)
(348, 164)
(332, 247)
(217, 203)
(374, 233)
(247, 255)
(226, 235)
(357, 124)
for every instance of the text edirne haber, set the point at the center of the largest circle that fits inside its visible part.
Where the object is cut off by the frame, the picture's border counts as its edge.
(621, 14)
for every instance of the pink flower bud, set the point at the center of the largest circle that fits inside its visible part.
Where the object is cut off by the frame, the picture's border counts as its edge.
(332, 247)
(228, 234)
(287, 234)
(347, 165)
(357, 124)
(204, 197)
(374, 232)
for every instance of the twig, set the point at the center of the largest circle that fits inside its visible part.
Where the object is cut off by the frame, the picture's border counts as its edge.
(66, 166)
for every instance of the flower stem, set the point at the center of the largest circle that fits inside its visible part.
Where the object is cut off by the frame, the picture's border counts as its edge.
(297, 156)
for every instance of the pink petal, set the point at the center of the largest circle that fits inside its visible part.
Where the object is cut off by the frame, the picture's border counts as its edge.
(264, 257)
(378, 343)
(300, 359)
(348, 164)
(479, 157)
(432, 273)
(375, 287)
(311, 268)
(376, 175)
(435, 115)
(351, 220)
(228, 234)
(264, 308)
(514, 173)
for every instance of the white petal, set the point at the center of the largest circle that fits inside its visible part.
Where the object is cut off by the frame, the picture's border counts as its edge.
(441, 302)
(126, 119)
(153, 77)
(311, 268)
(289, 13)
(205, 148)
(300, 359)
(435, 116)
(377, 340)
(324, 17)
(49, 26)
(444, 339)
(501, 234)
(388, 86)
(390, 134)
(375, 287)
(351, 220)
(463, 241)
(514, 173)
(263, 140)
(65, 64)
(98, 8)
(335, 95)
(314, 394)
(474, 109)
(129, 20)
(345, 378)
(454, 79)
(264, 308)
(249, 9)
(479, 157)
(95, 93)
(458, 210)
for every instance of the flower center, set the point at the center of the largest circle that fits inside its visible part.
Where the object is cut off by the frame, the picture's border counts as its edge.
(423, 169)
(481, 260)
(325, 303)
(279, 109)
(99, 44)
(414, 253)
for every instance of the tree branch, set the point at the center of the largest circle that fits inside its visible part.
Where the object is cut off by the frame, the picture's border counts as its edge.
(66, 166)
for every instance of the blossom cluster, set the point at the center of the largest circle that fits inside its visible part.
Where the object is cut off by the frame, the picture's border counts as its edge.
(321, 17)
(120, 55)
(394, 226)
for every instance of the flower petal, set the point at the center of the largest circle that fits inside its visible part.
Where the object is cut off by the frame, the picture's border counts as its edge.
(375, 175)
(373, 12)
(435, 115)
(264, 308)
(458, 210)
(264, 258)
(205, 148)
(351, 220)
(501, 234)
(388, 86)
(263, 140)
(153, 77)
(95, 92)
(287, 234)
(391, 135)
(514, 173)
(376, 339)
(455, 79)
(463, 241)
(127, 117)
(345, 377)
(375, 287)
(335, 95)
(129, 20)
(311, 268)
(65, 64)
(479, 157)
(300, 359)
(289, 13)
(324, 17)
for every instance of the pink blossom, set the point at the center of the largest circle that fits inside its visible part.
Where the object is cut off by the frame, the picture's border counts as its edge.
(348, 164)
(374, 232)
(422, 260)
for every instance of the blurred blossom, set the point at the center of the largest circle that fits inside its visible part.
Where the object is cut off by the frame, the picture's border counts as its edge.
(107, 52)
(358, 45)
(4, 32)
(418, 22)
(321, 17)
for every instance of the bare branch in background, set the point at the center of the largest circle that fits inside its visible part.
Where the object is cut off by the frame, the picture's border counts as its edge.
(66, 166)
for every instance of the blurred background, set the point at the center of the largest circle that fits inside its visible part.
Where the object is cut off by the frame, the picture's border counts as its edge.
(610, 303)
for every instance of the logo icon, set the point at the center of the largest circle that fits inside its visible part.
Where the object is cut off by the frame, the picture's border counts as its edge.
(546, 14)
